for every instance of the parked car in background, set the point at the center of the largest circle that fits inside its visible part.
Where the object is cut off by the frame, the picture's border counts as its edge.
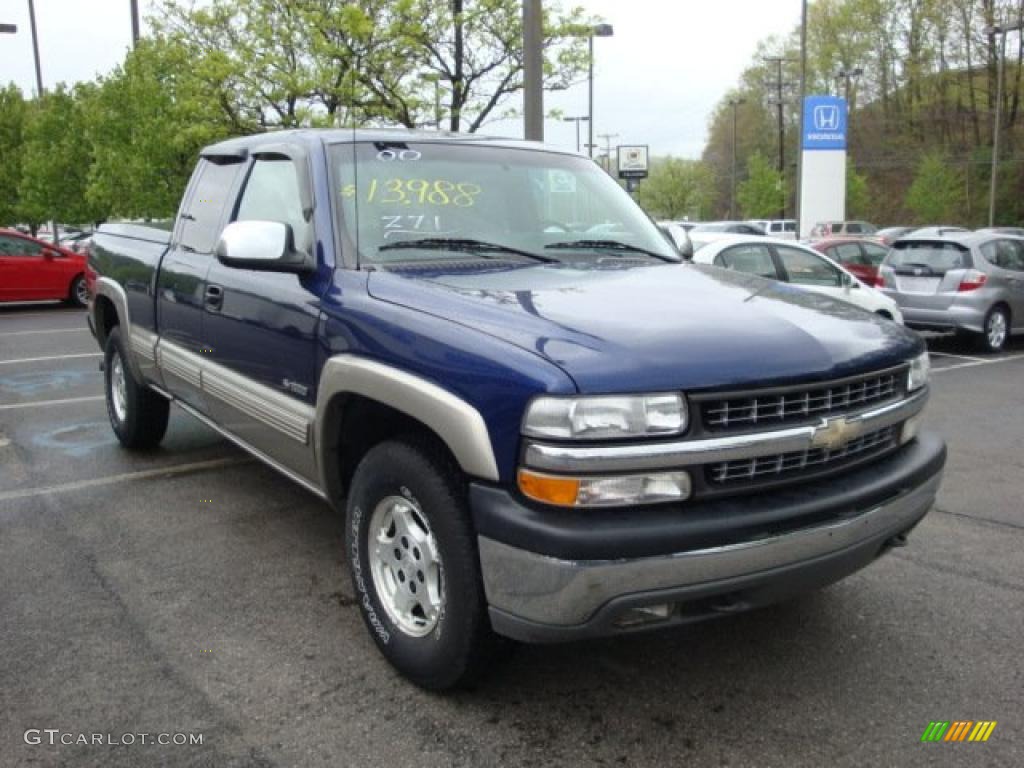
(858, 255)
(971, 283)
(710, 231)
(784, 229)
(835, 228)
(32, 269)
(678, 236)
(1015, 231)
(937, 231)
(799, 265)
(889, 235)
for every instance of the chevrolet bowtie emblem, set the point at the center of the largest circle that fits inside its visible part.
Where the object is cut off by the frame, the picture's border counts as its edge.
(835, 433)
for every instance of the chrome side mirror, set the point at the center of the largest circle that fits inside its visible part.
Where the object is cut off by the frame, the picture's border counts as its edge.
(268, 246)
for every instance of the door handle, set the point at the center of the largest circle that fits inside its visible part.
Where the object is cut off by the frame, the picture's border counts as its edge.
(214, 296)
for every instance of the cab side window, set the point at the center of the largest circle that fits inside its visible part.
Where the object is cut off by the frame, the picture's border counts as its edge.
(201, 221)
(806, 268)
(272, 194)
(752, 259)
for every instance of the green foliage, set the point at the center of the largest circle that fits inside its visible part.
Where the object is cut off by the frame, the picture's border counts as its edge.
(935, 194)
(857, 196)
(12, 122)
(763, 192)
(676, 188)
(55, 160)
(146, 123)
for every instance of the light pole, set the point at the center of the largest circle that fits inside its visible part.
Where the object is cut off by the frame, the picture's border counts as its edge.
(607, 150)
(577, 120)
(734, 103)
(848, 75)
(598, 30)
(35, 52)
(998, 29)
(135, 22)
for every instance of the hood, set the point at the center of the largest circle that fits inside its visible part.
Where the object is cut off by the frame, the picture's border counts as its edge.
(617, 326)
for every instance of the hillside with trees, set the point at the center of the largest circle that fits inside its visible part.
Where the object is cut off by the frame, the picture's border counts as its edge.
(922, 109)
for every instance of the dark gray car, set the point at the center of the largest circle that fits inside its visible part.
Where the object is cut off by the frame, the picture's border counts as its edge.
(971, 283)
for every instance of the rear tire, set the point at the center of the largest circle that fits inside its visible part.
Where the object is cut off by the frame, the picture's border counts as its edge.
(414, 565)
(78, 294)
(996, 331)
(138, 415)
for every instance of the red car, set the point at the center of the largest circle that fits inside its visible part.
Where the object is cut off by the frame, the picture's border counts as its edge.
(32, 269)
(860, 255)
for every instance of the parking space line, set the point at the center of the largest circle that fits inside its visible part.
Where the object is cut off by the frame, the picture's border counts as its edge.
(53, 357)
(54, 313)
(42, 403)
(145, 474)
(54, 330)
(959, 357)
(1008, 359)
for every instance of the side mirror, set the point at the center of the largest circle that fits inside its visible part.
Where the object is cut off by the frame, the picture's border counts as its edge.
(268, 246)
(49, 254)
(846, 281)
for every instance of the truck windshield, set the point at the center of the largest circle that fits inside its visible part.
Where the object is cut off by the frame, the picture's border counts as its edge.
(427, 201)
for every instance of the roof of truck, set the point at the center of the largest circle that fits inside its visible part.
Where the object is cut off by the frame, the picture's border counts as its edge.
(242, 144)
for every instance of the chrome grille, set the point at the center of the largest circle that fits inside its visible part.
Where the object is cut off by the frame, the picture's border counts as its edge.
(764, 469)
(798, 404)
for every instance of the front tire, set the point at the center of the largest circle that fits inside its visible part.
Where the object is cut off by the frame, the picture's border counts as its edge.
(138, 415)
(996, 330)
(414, 565)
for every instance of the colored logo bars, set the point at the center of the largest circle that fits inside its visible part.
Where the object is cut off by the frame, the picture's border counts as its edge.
(958, 730)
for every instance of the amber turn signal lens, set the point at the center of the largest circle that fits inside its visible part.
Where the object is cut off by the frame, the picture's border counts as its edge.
(560, 491)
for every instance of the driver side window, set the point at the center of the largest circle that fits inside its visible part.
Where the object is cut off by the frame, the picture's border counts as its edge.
(272, 194)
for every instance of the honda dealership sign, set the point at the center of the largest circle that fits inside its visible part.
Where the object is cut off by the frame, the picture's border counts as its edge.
(823, 175)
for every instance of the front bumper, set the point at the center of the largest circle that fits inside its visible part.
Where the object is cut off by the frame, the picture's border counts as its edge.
(552, 576)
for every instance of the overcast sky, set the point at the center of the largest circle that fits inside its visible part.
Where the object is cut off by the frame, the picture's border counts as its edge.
(656, 82)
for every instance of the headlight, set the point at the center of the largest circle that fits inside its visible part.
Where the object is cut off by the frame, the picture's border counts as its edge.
(606, 417)
(918, 375)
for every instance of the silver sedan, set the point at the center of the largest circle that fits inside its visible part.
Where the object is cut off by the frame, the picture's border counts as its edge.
(972, 283)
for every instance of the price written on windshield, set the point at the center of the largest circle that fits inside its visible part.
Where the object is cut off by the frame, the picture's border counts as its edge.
(461, 194)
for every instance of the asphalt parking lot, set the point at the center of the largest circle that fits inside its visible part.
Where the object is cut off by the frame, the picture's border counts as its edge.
(195, 591)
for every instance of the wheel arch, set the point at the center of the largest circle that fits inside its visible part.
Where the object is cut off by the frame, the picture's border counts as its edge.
(361, 402)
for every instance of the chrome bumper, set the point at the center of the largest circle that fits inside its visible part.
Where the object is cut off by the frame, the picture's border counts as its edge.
(535, 597)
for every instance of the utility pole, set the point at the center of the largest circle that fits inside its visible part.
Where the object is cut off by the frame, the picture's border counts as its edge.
(998, 29)
(734, 103)
(135, 23)
(598, 30)
(608, 150)
(779, 84)
(577, 120)
(533, 72)
(803, 94)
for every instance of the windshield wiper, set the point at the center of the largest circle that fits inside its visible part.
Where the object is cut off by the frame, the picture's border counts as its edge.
(609, 245)
(480, 247)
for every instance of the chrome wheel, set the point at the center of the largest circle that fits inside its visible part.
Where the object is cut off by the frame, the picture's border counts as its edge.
(996, 329)
(406, 566)
(118, 388)
(82, 293)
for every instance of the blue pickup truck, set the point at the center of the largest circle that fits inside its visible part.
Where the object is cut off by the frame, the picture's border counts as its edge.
(539, 422)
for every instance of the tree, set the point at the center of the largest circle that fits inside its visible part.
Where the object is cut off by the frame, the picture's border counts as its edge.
(12, 123)
(55, 160)
(145, 124)
(935, 194)
(763, 192)
(857, 196)
(675, 188)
